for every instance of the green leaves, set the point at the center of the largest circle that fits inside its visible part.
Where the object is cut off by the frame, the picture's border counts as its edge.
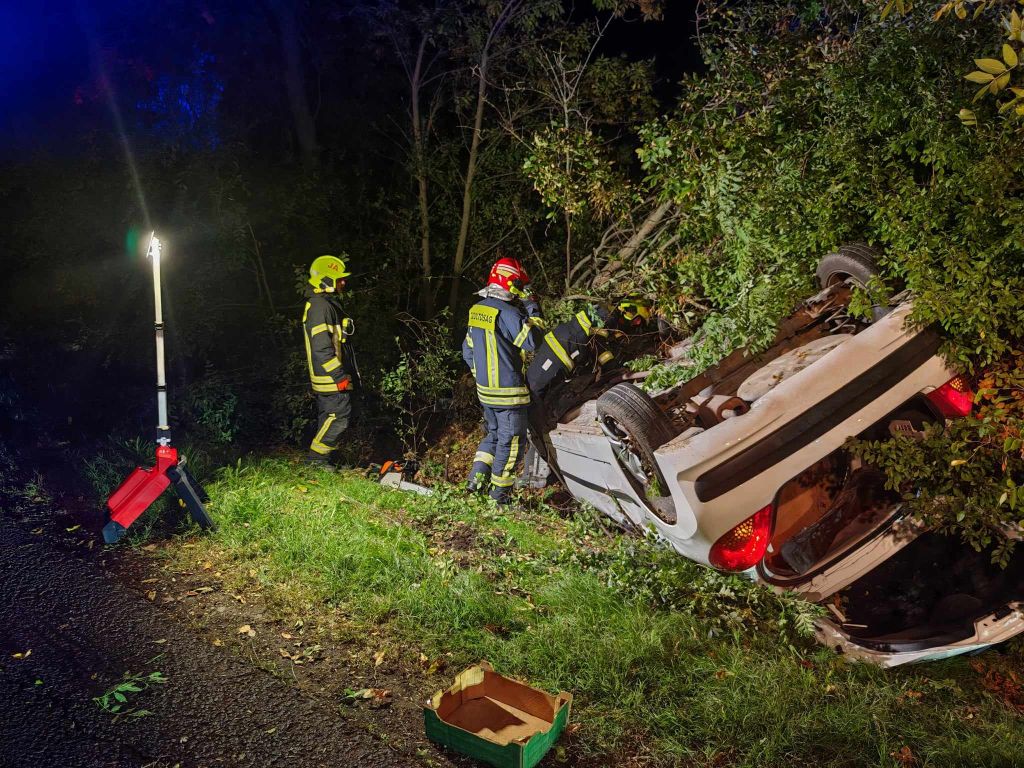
(1013, 27)
(961, 477)
(967, 117)
(572, 171)
(115, 700)
(900, 6)
(994, 75)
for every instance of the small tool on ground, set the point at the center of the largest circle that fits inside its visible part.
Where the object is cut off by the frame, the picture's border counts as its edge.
(393, 473)
(143, 486)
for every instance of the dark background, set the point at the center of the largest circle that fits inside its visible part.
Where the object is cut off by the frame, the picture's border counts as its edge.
(122, 117)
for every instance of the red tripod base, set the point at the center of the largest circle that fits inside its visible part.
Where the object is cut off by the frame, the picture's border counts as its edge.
(143, 486)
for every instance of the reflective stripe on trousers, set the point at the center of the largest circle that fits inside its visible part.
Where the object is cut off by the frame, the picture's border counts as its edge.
(333, 411)
(505, 443)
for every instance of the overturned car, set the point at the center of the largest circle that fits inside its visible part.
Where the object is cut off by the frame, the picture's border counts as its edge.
(743, 468)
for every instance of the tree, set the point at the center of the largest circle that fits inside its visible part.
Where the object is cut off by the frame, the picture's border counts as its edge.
(414, 37)
(286, 15)
(517, 16)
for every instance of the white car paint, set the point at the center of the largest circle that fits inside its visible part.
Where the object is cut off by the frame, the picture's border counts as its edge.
(592, 474)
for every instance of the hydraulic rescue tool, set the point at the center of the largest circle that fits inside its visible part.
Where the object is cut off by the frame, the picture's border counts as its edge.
(143, 486)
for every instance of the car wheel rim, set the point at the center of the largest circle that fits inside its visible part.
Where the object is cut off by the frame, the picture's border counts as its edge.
(837, 278)
(623, 449)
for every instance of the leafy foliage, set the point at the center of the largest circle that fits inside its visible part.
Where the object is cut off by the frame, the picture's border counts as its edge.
(422, 381)
(647, 570)
(118, 699)
(967, 477)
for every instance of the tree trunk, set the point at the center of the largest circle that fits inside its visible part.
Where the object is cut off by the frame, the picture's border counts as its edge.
(418, 139)
(467, 189)
(295, 81)
(511, 8)
(626, 253)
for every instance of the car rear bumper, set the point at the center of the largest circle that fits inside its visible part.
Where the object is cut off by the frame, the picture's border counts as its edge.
(989, 630)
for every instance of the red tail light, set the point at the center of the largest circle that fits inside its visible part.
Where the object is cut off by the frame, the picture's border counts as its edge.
(954, 399)
(743, 546)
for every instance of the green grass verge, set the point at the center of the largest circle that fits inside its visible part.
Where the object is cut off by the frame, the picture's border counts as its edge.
(686, 665)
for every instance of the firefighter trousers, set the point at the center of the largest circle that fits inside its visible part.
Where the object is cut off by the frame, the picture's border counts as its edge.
(333, 412)
(500, 450)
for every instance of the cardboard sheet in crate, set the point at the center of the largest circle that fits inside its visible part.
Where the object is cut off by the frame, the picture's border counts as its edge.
(496, 719)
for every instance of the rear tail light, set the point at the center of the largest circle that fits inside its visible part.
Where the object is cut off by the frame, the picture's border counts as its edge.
(954, 399)
(745, 545)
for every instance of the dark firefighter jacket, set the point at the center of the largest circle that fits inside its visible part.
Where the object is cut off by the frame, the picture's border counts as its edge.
(496, 339)
(327, 358)
(563, 349)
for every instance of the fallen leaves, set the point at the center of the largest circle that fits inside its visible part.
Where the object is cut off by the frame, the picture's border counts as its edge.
(245, 629)
(904, 757)
(377, 697)
(22, 654)
(151, 595)
(431, 667)
(378, 658)
(198, 591)
(1004, 685)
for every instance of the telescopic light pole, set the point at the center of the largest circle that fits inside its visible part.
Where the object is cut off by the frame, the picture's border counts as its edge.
(143, 486)
(163, 429)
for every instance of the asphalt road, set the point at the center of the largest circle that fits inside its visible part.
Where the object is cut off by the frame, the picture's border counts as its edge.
(85, 630)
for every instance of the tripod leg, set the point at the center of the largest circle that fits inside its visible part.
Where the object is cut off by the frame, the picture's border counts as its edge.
(203, 495)
(192, 494)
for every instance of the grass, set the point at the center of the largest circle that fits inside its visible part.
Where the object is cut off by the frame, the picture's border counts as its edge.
(666, 659)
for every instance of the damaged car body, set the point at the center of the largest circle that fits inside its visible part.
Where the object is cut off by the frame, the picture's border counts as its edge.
(743, 468)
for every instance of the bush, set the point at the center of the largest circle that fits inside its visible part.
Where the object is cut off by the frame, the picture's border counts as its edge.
(422, 383)
(820, 127)
(967, 478)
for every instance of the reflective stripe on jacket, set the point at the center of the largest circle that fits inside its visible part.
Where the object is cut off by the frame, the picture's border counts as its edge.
(326, 357)
(568, 340)
(496, 339)
(563, 348)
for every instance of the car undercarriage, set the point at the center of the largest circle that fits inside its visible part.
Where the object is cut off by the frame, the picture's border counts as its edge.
(744, 467)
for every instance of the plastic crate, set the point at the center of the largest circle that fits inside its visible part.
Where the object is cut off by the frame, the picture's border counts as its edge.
(496, 719)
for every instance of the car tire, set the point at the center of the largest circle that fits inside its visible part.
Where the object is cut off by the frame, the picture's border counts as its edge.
(628, 413)
(857, 262)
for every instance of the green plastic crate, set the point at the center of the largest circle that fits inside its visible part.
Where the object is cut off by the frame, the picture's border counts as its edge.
(496, 719)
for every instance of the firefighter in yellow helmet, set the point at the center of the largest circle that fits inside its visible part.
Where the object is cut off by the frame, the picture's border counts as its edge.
(329, 357)
(634, 312)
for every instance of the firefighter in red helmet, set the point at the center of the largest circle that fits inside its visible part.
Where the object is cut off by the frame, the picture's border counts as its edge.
(500, 330)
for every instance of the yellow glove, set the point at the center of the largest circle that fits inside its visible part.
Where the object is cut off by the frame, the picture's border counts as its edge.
(537, 322)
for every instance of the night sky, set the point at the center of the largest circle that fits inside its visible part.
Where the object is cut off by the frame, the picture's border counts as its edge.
(52, 54)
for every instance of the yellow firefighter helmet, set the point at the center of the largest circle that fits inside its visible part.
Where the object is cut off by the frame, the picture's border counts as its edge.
(325, 271)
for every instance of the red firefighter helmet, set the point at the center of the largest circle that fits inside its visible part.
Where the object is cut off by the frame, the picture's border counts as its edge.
(507, 271)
